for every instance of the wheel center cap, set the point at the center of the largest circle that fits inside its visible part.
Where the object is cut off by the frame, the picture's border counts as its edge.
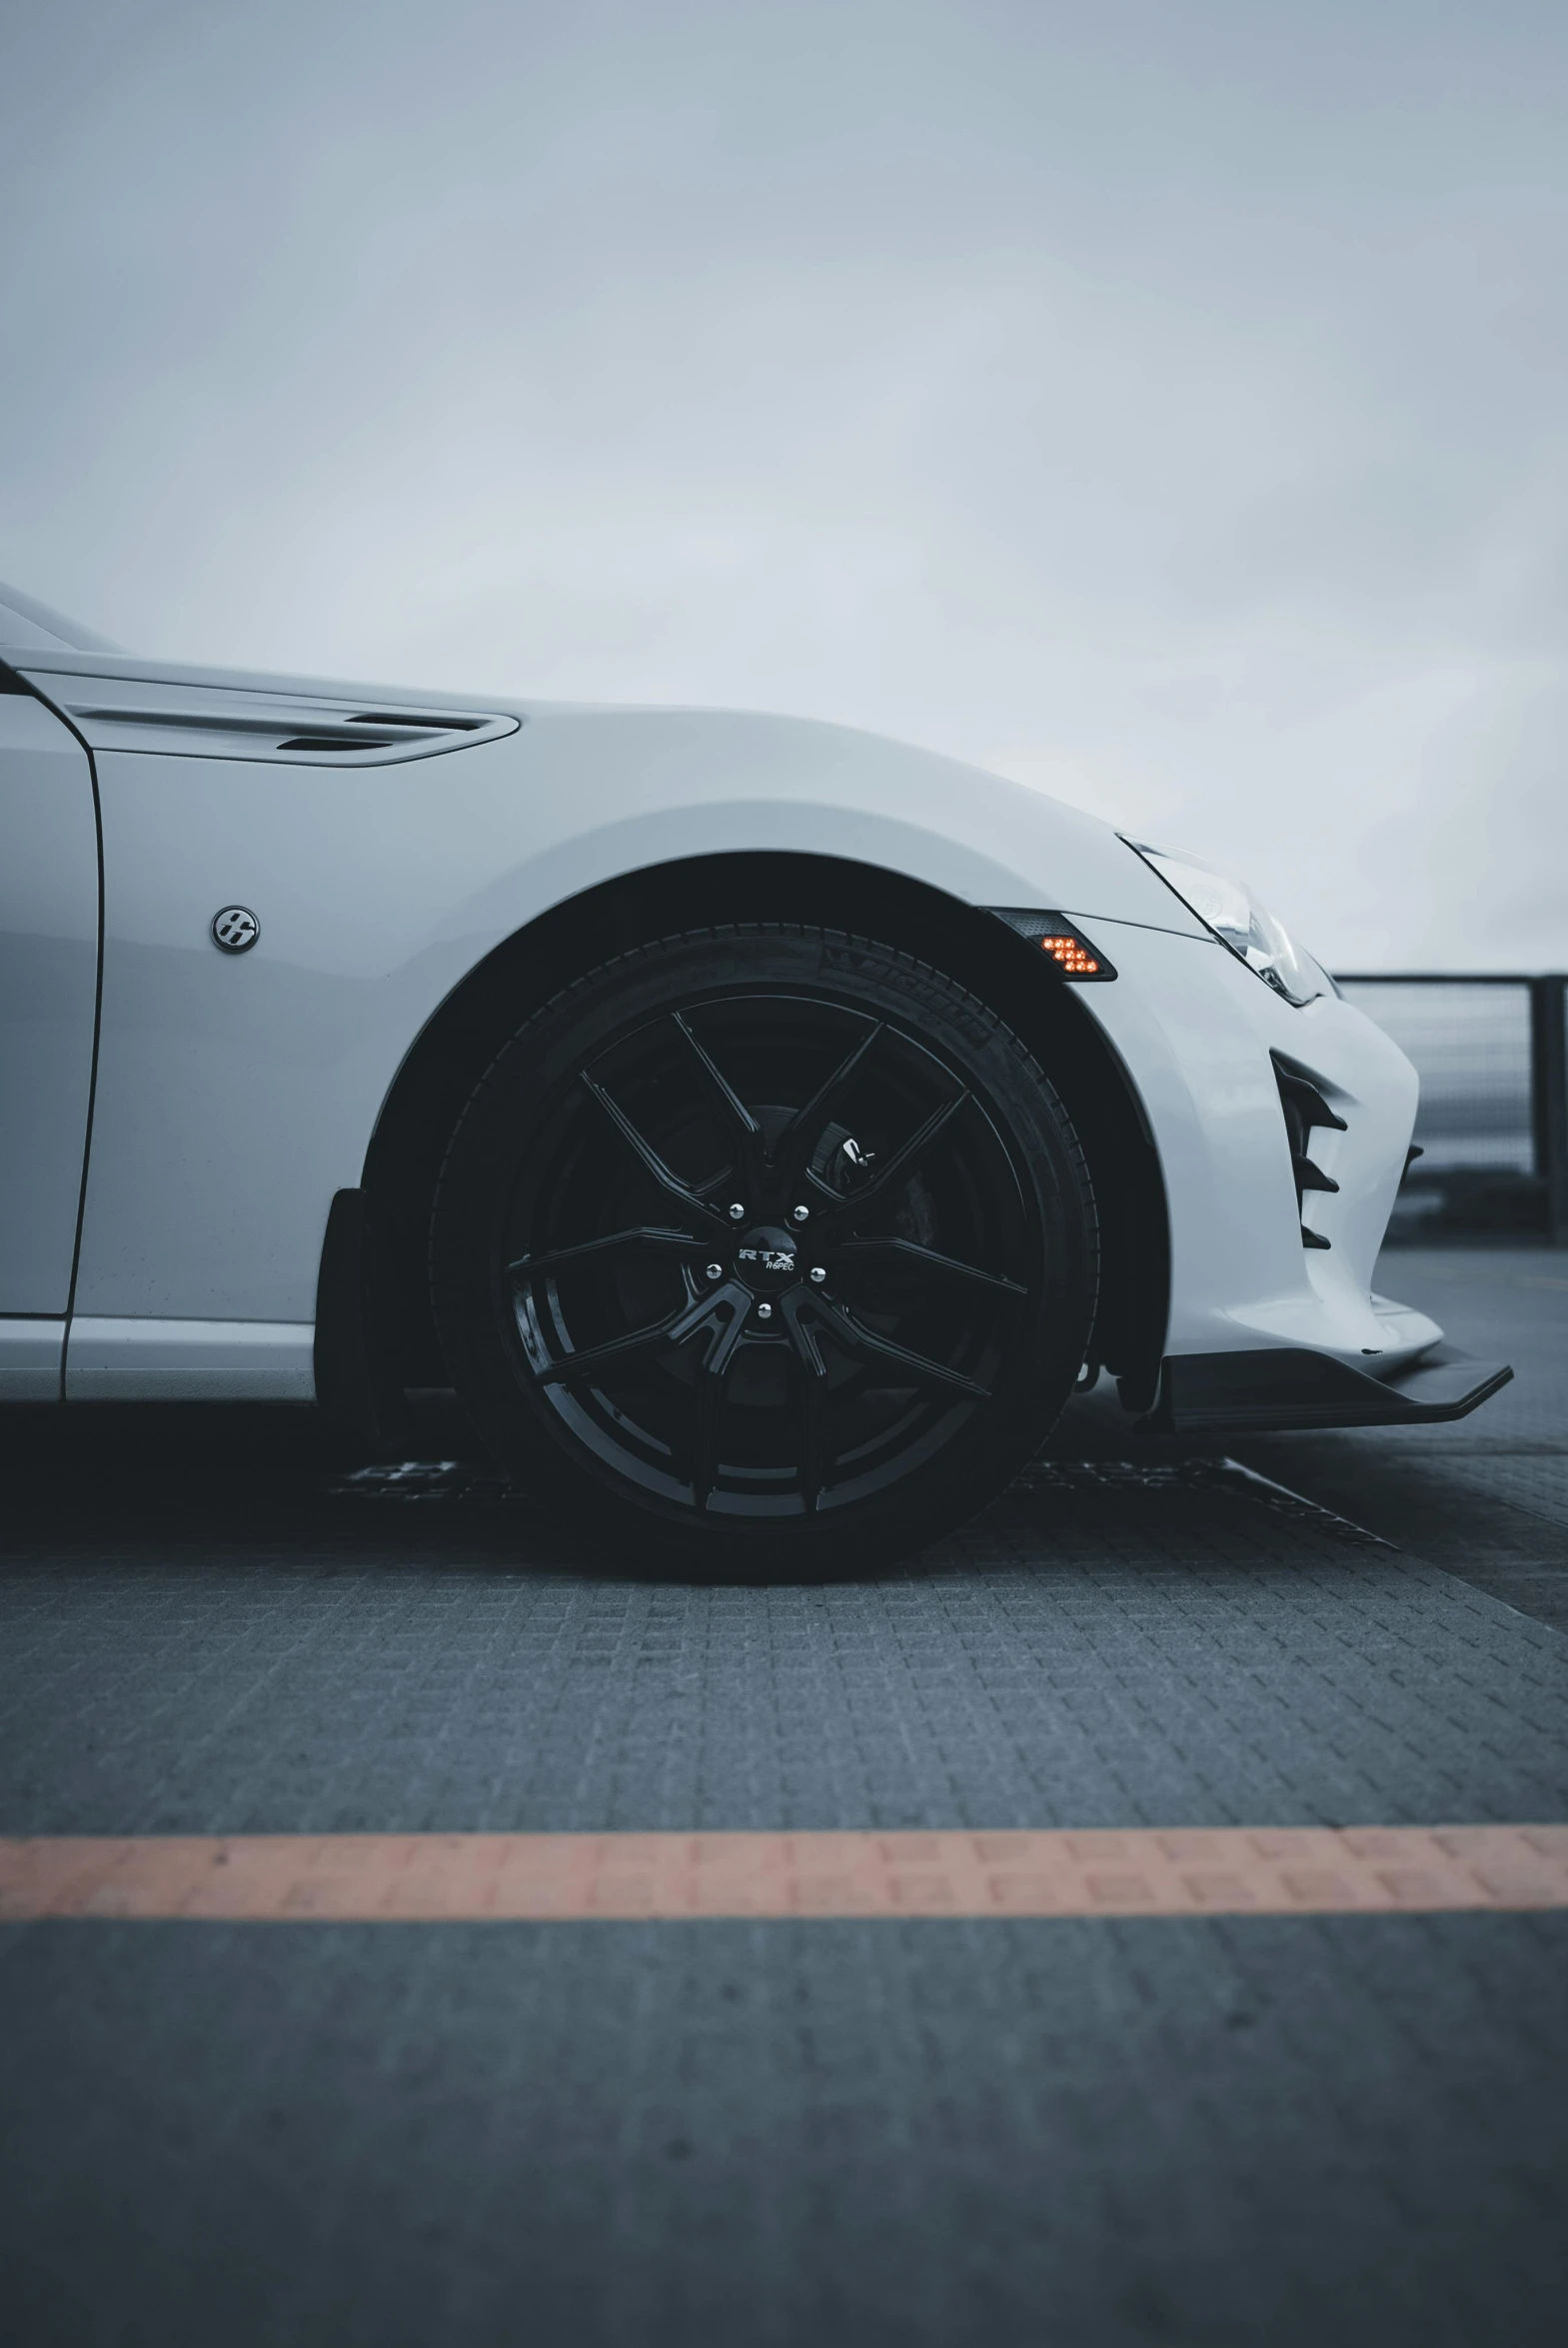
(765, 1258)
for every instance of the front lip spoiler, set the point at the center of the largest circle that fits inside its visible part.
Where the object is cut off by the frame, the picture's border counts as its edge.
(1274, 1388)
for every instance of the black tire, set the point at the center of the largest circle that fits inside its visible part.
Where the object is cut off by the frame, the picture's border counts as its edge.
(665, 1352)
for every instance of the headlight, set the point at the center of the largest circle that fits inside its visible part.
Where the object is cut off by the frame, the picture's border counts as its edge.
(1239, 921)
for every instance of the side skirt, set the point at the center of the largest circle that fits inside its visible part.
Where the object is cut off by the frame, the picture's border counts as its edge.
(32, 1358)
(115, 1359)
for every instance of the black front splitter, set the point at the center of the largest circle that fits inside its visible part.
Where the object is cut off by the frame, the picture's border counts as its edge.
(1274, 1389)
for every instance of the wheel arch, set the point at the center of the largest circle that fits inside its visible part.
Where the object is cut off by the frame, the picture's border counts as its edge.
(521, 974)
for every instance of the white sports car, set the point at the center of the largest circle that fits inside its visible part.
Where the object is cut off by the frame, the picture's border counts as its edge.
(763, 1126)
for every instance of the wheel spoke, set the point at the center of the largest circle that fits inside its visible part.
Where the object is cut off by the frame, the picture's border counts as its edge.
(709, 1404)
(904, 1160)
(658, 1336)
(612, 1355)
(867, 1344)
(810, 1398)
(643, 1238)
(805, 1122)
(642, 1150)
(748, 1132)
(800, 1311)
(930, 1261)
(809, 1372)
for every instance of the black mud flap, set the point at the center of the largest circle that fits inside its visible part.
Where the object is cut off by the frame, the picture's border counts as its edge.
(1271, 1389)
(354, 1384)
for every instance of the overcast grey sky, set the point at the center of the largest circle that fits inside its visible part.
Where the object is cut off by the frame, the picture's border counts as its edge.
(1165, 402)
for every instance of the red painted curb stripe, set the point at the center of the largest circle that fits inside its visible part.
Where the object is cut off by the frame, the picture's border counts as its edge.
(382, 1878)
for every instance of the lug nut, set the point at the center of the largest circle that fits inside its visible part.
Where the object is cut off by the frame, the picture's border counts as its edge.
(715, 1271)
(738, 1212)
(800, 1213)
(818, 1272)
(765, 1313)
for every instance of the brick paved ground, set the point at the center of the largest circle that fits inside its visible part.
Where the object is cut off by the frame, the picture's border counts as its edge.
(1101, 2131)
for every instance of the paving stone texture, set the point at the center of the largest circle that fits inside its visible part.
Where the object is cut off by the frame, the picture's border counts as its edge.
(1216, 2130)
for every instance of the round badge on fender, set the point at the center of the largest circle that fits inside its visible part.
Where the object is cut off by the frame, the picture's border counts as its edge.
(235, 930)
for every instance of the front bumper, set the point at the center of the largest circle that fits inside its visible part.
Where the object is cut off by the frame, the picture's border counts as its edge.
(1273, 1320)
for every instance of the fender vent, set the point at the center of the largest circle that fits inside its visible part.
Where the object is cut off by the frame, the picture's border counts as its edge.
(440, 725)
(1305, 1107)
(206, 720)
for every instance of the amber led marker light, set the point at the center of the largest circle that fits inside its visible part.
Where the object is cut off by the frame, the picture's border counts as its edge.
(1068, 949)
(1072, 956)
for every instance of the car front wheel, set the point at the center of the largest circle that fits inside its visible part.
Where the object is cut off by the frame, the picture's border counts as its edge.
(770, 1246)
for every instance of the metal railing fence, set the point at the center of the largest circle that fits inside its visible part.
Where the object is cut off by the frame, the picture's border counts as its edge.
(1492, 1055)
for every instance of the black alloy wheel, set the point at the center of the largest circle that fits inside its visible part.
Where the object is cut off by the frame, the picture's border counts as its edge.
(768, 1242)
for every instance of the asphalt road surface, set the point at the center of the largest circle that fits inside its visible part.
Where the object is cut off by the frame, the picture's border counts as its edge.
(1077, 2128)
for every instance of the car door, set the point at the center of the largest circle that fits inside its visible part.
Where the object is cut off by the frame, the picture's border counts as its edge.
(49, 913)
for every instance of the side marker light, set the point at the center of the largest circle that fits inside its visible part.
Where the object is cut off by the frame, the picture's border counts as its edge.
(1070, 955)
(1067, 948)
